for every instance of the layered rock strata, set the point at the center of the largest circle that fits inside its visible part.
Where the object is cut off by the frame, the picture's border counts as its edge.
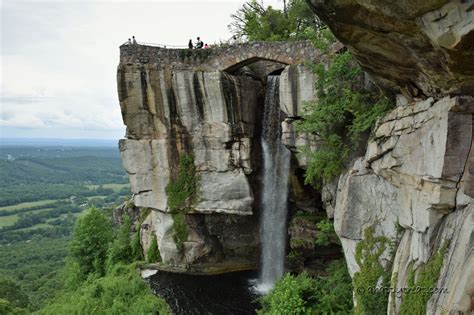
(420, 48)
(414, 184)
(175, 107)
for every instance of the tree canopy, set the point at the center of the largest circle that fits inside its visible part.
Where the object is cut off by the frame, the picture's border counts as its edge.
(255, 22)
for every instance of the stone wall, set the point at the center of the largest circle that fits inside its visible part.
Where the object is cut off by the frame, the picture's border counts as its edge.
(223, 57)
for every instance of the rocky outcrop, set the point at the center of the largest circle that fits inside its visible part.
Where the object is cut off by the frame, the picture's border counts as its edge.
(175, 107)
(414, 176)
(296, 88)
(201, 113)
(413, 186)
(418, 48)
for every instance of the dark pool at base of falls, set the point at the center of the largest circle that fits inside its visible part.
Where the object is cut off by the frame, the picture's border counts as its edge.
(230, 293)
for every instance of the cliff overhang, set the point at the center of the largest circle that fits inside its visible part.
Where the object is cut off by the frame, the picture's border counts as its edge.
(415, 48)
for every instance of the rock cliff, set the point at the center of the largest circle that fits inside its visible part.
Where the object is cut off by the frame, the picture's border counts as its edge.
(208, 105)
(414, 184)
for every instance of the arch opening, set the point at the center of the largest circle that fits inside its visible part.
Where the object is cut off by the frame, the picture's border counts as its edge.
(257, 68)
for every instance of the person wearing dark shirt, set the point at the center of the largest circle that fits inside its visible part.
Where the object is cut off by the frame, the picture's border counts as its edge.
(199, 43)
(190, 44)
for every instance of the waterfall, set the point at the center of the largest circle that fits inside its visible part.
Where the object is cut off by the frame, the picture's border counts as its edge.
(276, 161)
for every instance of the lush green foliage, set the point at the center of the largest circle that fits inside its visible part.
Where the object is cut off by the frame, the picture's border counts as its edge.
(121, 291)
(326, 233)
(137, 251)
(372, 274)
(291, 295)
(153, 255)
(335, 292)
(180, 229)
(90, 243)
(182, 191)
(89, 290)
(426, 277)
(28, 219)
(340, 116)
(8, 308)
(256, 22)
(34, 236)
(121, 249)
(56, 172)
(11, 292)
(330, 294)
(295, 259)
(34, 266)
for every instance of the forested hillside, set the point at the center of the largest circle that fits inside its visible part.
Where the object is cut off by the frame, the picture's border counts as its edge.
(43, 189)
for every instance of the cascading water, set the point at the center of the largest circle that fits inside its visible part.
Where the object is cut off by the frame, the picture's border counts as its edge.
(276, 161)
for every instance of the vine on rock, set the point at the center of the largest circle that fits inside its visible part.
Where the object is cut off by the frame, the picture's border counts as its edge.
(341, 116)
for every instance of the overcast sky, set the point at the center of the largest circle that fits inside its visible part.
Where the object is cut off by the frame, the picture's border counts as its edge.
(59, 58)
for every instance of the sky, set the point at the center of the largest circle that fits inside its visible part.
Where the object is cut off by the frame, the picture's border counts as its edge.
(58, 58)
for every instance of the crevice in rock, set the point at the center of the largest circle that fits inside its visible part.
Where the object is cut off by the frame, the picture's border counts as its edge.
(144, 85)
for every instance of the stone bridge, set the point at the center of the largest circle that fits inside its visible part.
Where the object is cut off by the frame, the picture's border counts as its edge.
(225, 57)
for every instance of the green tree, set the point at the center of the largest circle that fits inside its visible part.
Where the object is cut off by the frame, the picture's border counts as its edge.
(11, 292)
(7, 308)
(89, 246)
(342, 115)
(256, 22)
(137, 252)
(153, 254)
(303, 294)
(371, 273)
(121, 249)
(120, 291)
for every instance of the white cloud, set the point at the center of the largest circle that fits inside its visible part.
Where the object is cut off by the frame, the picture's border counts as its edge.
(59, 58)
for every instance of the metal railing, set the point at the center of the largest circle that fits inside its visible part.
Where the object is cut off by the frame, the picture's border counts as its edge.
(158, 45)
(184, 46)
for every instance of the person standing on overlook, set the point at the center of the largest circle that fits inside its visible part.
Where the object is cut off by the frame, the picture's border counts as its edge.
(134, 41)
(129, 41)
(199, 43)
(190, 44)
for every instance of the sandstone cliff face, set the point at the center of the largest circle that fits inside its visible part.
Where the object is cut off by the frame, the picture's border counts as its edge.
(414, 47)
(202, 113)
(415, 175)
(414, 184)
(212, 116)
(174, 107)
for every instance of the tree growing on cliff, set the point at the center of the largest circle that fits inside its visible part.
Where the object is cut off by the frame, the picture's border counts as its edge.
(342, 115)
(121, 249)
(89, 246)
(153, 254)
(255, 22)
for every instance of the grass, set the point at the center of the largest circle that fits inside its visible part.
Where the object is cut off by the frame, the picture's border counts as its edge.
(27, 204)
(114, 186)
(37, 226)
(92, 197)
(8, 220)
(11, 219)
